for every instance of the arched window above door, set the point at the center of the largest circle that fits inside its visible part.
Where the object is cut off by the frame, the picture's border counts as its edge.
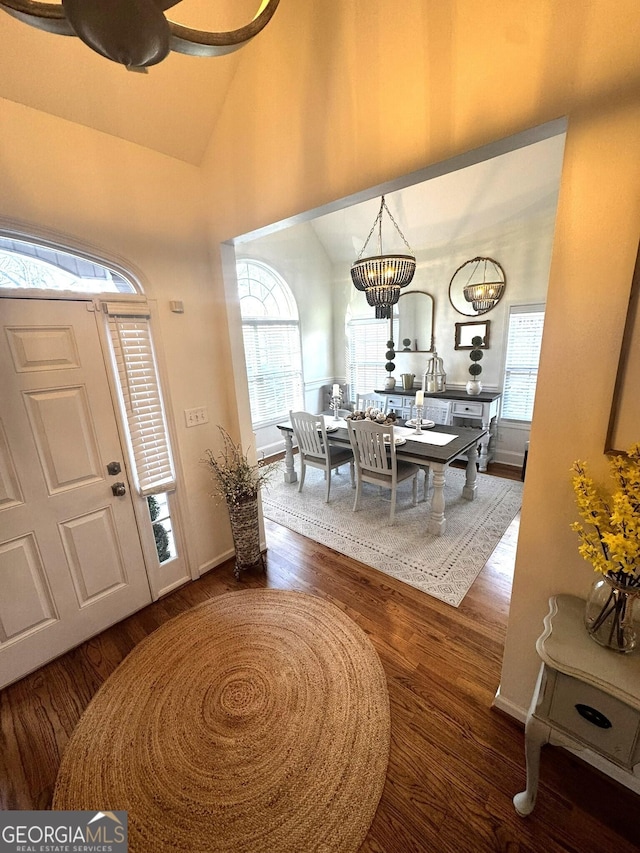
(28, 265)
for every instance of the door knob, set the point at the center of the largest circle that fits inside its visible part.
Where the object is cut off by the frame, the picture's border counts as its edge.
(119, 489)
(114, 468)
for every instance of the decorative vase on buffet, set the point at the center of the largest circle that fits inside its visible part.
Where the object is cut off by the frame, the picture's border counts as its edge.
(609, 616)
(610, 540)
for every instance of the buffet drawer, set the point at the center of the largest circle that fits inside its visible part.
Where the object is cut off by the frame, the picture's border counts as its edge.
(596, 718)
(467, 410)
(400, 402)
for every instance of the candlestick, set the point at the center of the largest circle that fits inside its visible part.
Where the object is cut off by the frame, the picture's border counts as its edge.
(335, 404)
(418, 429)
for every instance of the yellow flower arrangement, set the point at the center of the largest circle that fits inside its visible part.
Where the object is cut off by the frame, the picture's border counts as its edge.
(610, 535)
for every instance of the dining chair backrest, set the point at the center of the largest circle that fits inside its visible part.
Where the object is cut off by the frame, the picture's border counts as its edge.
(314, 448)
(374, 451)
(371, 442)
(438, 411)
(310, 433)
(377, 401)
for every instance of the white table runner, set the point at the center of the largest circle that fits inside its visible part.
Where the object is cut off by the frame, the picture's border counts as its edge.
(427, 436)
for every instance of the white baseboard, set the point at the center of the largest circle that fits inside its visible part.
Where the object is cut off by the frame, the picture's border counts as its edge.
(217, 561)
(508, 457)
(516, 711)
(271, 449)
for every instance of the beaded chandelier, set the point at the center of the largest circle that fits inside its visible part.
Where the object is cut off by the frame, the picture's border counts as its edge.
(485, 294)
(382, 276)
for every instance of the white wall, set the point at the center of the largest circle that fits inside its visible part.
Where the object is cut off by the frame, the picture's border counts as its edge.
(524, 251)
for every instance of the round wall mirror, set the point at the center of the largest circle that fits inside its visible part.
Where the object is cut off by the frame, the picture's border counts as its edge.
(477, 286)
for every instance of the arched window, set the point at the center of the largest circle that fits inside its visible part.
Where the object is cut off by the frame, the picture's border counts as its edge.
(271, 332)
(29, 265)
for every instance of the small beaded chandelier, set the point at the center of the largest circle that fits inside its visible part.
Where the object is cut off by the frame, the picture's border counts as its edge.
(484, 295)
(381, 276)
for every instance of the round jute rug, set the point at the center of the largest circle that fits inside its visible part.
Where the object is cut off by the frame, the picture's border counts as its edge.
(258, 722)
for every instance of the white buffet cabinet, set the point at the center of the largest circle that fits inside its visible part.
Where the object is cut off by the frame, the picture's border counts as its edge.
(480, 410)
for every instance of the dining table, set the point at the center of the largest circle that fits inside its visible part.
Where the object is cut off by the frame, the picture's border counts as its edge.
(434, 447)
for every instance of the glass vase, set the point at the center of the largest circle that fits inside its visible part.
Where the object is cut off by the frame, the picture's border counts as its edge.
(609, 613)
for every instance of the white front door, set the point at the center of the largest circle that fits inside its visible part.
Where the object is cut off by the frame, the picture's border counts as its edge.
(71, 562)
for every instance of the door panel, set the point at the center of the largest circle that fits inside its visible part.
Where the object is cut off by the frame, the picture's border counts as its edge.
(42, 348)
(60, 422)
(71, 562)
(26, 604)
(10, 494)
(93, 554)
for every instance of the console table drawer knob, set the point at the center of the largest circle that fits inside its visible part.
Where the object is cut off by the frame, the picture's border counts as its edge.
(592, 716)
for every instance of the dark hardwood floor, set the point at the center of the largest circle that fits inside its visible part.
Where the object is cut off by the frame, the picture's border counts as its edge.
(455, 763)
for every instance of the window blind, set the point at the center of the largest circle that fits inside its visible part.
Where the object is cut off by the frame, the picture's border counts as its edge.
(521, 361)
(141, 397)
(273, 359)
(366, 346)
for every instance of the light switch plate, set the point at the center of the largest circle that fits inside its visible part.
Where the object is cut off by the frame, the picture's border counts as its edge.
(195, 417)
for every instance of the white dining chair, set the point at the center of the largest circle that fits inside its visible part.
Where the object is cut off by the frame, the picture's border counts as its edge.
(376, 461)
(314, 449)
(438, 411)
(377, 401)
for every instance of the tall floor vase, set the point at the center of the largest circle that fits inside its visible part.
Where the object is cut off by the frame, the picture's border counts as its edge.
(245, 529)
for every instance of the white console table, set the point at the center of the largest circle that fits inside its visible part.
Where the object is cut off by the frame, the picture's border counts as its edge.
(466, 410)
(586, 697)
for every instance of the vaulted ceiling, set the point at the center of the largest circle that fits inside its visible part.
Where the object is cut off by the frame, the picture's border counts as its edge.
(513, 186)
(172, 109)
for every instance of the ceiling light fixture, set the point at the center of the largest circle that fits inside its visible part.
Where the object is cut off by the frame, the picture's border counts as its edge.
(381, 276)
(485, 294)
(134, 33)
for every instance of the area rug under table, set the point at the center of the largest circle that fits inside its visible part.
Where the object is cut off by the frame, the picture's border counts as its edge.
(442, 566)
(258, 722)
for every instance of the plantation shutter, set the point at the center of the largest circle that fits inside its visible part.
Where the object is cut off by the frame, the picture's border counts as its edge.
(141, 398)
(521, 361)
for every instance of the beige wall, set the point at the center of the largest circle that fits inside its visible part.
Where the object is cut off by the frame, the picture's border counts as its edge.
(334, 98)
(344, 96)
(145, 210)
